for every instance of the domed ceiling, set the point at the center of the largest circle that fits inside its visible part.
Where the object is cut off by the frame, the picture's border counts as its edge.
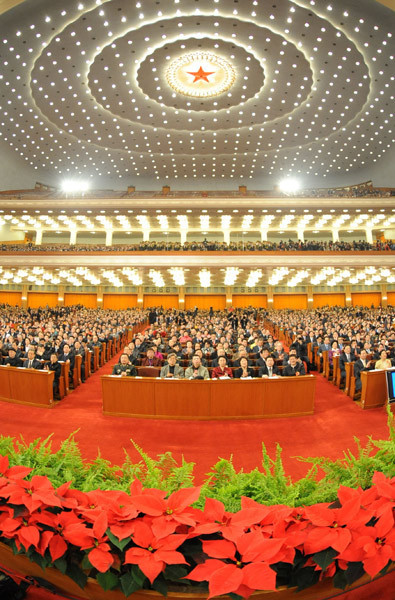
(194, 89)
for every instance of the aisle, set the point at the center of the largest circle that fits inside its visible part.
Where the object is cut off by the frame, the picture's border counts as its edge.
(328, 432)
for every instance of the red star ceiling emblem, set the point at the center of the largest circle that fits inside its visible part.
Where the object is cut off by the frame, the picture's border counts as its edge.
(200, 74)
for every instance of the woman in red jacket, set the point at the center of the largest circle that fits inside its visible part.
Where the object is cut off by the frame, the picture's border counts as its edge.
(222, 371)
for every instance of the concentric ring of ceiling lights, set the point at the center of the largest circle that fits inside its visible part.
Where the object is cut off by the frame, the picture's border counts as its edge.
(102, 103)
(200, 75)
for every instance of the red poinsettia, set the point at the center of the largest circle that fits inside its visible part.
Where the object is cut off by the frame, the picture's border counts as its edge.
(33, 494)
(64, 527)
(168, 513)
(331, 527)
(23, 528)
(152, 553)
(373, 545)
(7, 472)
(247, 566)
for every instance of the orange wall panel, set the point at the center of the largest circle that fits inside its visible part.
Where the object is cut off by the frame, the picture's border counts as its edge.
(293, 301)
(366, 298)
(11, 298)
(42, 299)
(328, 300)
(165, 300)
(217, 301)
(119, 301)
(87, 300)
(391, 298)
(244, 300)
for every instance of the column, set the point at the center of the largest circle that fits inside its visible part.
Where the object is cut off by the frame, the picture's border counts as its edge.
(181, 298)
(348, 295)
(146, 233)
(269, 291)
(99, 297)
(109, 237)
(24, 296)
(264, 233)
(61, 295)
(140, 296)
(39, 237)
(183, 233)
(73, 237)
(369, 236)
(310, 297)
(335, 235)
(300, 233)
(228, 297)
(384, 301)
(226, 233)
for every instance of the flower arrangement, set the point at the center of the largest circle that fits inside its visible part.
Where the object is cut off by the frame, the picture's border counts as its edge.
(147, 539)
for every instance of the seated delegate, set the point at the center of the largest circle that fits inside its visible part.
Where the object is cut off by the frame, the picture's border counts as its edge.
(124, 368)
(197, 370)
(222, 371)
(244, 371)
(269, 369)
(172, 370)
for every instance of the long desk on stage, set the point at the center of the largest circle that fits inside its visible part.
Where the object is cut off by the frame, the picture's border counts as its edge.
(150, 397)
(26, 386)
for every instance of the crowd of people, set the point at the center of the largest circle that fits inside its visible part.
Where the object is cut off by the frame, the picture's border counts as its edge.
(243, 344)
(197, 344)
(360, 335)
(40, 338)
(210, 246)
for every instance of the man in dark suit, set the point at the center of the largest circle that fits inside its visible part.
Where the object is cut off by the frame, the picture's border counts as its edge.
(346, 356)
(269, 369)
(31, 362)
(360, 365)
(13, 360)
(294, 368)
(262, 357)
(68, 356)
(54, 365)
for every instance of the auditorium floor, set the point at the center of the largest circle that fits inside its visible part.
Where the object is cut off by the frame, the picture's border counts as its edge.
(326, 433)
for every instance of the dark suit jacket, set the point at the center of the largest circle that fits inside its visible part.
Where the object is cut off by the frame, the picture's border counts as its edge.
(265, 371)
(343, 360)
(70, 357)
(289, 371)
(358, 368)
(13, 362)
(36, 364)
(57, 369)
(239, 372)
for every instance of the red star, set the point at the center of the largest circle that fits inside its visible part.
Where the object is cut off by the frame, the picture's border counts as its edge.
(201, 75)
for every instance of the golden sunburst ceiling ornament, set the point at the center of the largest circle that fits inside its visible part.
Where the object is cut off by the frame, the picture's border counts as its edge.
(200, 75)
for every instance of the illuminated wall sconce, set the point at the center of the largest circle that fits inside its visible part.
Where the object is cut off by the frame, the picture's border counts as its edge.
(229, 300)
(181, 300)
(60, 299)
(270, 299)
(384, 297)
(100, 299)
(139, 299)
(348, 299)
(24, 298)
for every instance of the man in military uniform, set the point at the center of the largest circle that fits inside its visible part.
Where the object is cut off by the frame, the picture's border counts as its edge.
(124, 367)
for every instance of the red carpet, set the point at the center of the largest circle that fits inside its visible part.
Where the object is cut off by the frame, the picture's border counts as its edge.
(328, 432)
